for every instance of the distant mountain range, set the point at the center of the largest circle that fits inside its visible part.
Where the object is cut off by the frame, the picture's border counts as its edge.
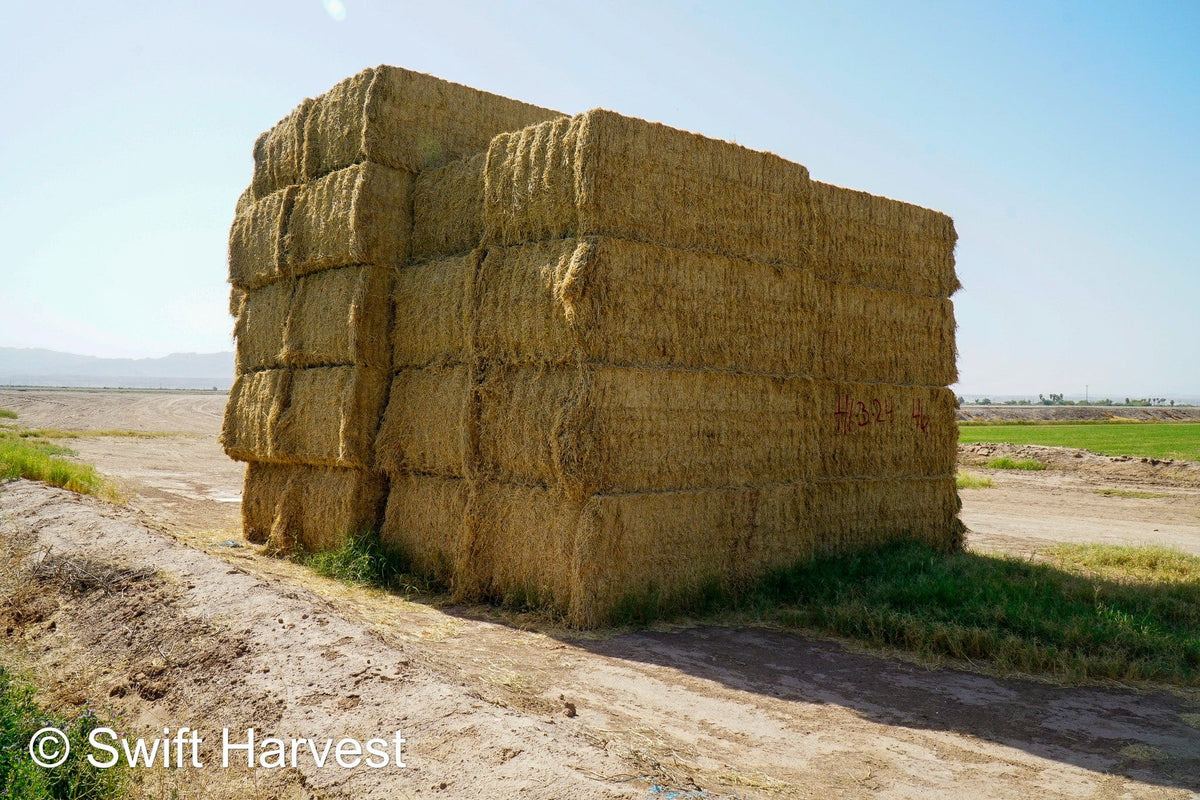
(35, 367)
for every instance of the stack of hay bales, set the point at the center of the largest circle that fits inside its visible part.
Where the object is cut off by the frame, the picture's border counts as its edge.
(639, 362)
(313, 249)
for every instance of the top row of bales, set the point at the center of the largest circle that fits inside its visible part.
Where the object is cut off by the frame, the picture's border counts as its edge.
(626, 362)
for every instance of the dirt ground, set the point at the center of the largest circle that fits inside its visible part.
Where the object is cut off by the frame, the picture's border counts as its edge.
(183, 629)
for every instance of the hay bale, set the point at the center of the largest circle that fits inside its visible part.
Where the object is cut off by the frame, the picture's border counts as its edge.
(589, 558)
(259, 331)
(881, 336)
(448, 209)
(317, 508)
(425, 521)
(244, 201)
(256, 401)
(426, 426)
(880, 242)
(337, 317)
(340, 317)
(630, 303)
(405, 120)
(604, 174)
(876, 430)
(433, 311)
(279, 153)
(848, 514)
(598, 428)
(321, 417)
(331, 417)
(358, 215)
(256, 254)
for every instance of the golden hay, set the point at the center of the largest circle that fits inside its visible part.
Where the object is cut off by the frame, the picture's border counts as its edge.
(279, 153)
(425, 521)
(256, 240)
(880, 336)
(259, 329)
(426, 428)
(317, 508)
(405, 120)
(337, 317)
(865, 430)
(321, 417)
(433, 311)
(630, 303)
(598, 428)
(604, 174)
(586, 558)
(448, 209)
(340, 317)
(876, 241)
(847, 514)
(237, 299)
(332, 416)
(256, 401)
(358, 215)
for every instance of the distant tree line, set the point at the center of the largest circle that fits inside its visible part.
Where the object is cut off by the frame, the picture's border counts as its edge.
(1058, 400)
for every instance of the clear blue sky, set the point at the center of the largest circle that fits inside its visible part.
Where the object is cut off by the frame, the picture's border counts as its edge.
(1063, 138)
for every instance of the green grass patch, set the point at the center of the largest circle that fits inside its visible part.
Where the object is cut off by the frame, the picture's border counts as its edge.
(1089, 612)
(365, 561)
(1176, 440)
(37, 459)
(967, 480)
(1004, 462)
(1131, 493)
(59, 433)
(6, 414)
(21, 716)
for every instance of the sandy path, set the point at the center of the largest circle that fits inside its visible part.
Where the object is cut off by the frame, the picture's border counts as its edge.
(746, 713)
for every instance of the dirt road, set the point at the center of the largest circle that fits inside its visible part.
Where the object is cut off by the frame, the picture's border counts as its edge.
(495, 706)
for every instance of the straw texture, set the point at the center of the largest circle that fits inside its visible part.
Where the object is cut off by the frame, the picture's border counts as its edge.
(448, 209)
(405, 120)
(316, 508)
(279, 153)
(358, 215)
(256, 255)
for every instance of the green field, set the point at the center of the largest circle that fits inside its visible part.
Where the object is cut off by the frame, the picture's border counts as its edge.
(1180, 440)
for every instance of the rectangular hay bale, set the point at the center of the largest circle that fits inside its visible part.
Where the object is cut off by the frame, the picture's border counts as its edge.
(593, 559)
(636, 304)
(340, 317)
(256, 249)
(426, 428)
(279, 153)
(848, 514)
(875, 241)
(317, 508)
(259, 331)
(425, 521)
(865, 430)
(880, 336)
(407, 120)
(358, 215)
(601, 173)
(598, 428)
(321, 417)
(433, 312)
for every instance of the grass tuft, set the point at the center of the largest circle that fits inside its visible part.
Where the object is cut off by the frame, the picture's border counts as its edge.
(365, 561)
(967, 480)
(36, 459)
(20, 717)
(7, 414)
(1004, 462)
